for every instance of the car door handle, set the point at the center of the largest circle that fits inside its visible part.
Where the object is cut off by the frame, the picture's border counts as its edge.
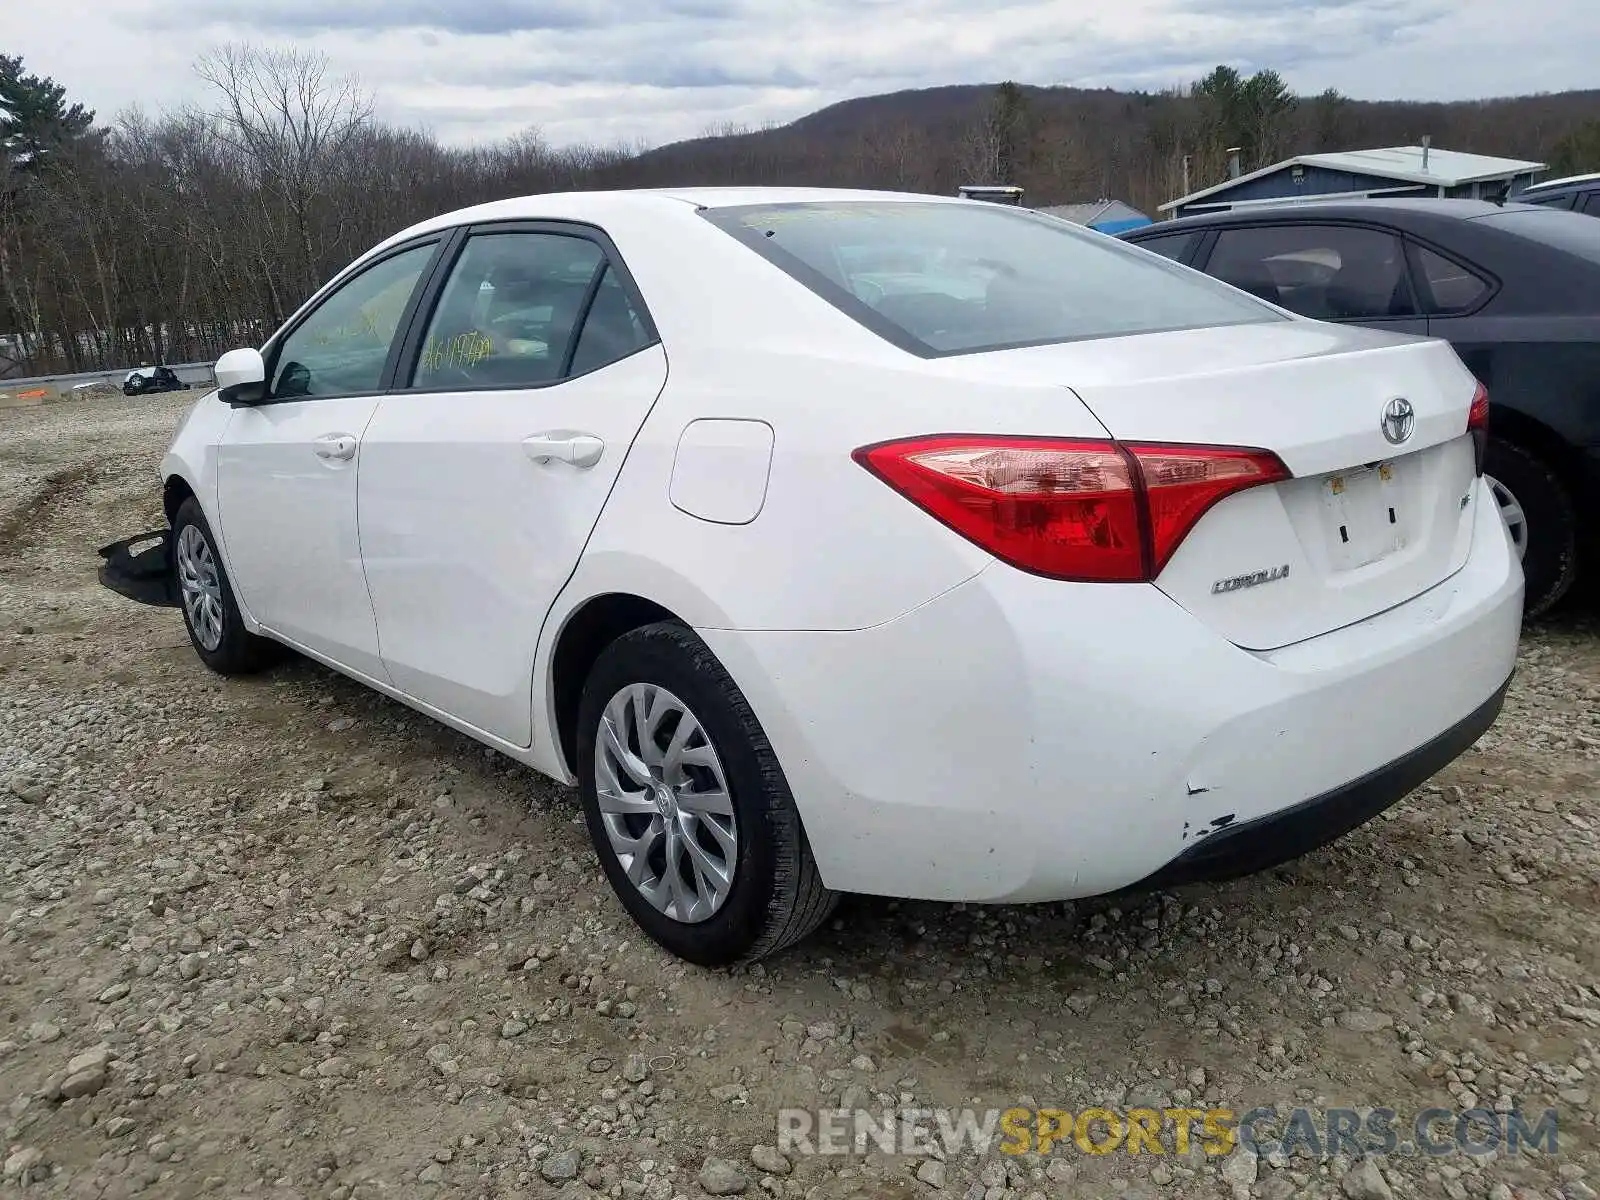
(580, 450)
(335, 445)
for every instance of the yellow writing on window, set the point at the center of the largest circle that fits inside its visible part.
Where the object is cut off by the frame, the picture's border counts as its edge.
(463, 350)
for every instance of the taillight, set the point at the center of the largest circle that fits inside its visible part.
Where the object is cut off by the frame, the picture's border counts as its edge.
(1478, 424)
(1086, 510)
(1182, 482)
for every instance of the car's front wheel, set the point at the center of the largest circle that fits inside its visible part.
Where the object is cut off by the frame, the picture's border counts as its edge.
(1540, 518)
(210, 612)
(687, 805)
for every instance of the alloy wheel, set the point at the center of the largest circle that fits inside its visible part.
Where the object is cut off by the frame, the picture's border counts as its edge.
(1510, 512)
(201, 586)
(665, 804)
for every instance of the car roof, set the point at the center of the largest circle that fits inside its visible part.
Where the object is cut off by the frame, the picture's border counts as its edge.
(1562, 184)
(582, 205)
(731, 197)
(629, 204)
(1401, 211)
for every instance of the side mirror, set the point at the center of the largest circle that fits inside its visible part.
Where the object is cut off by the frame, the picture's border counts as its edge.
(241, 377)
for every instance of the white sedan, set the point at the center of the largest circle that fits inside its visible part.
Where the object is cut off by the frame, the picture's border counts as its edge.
(857, 542)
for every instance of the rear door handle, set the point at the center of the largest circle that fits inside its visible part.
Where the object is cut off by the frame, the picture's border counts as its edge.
(581, 450)
(335, 445)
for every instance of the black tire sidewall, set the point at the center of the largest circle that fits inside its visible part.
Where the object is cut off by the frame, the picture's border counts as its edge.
(671, 657)
(1550, 562)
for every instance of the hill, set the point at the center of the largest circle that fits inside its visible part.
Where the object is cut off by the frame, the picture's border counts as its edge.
(1067, 143)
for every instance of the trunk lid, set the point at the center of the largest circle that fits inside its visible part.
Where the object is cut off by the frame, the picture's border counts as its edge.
(1365, 523)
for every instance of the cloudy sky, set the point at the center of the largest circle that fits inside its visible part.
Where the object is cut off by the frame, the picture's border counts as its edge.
(652, 71)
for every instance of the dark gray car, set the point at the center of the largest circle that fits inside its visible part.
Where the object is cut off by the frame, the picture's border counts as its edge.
(1515, 288)
(1580, 193)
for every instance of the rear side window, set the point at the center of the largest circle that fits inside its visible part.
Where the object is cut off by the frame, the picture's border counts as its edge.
(612, 330)
(1454, 288)
(509, 312)
(960, 278)
(1328, 272)
(1175, 246)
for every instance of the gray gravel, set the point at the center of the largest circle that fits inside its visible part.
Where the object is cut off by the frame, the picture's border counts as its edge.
(281, 937)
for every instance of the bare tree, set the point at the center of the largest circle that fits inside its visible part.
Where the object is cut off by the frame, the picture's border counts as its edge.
(291, 125)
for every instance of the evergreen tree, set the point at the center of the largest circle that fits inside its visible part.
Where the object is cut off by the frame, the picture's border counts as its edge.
(1009, 114)
(1578, 152)
(36, 122)
(1251, 113)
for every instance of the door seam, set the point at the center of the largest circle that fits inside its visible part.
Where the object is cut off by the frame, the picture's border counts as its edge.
(361, 550)
(534, 708)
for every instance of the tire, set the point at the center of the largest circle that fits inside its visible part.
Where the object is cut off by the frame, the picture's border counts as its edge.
(1550, 551)
(773, 895)
(236, 651)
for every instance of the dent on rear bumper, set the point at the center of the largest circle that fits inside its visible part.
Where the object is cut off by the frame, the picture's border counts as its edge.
(1019, 739)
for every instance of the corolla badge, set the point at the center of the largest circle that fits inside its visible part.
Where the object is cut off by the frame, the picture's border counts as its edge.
(1254, 579)
(1399, 419)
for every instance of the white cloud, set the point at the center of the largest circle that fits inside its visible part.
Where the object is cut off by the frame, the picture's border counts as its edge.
(611, 71)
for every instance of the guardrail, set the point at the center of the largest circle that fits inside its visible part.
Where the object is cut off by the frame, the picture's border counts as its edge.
(196, 373)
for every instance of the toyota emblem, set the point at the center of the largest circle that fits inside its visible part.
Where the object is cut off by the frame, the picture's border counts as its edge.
(1399, 418)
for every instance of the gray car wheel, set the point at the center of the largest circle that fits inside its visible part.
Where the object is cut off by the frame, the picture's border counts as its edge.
(687, 805)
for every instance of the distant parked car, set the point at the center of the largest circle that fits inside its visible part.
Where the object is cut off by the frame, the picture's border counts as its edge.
(1580, 193)
(145, 380)
(1514, 288)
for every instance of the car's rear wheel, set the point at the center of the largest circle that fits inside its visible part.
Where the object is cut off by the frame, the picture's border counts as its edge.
(1539, 515)
(210, 613)
(687, 805)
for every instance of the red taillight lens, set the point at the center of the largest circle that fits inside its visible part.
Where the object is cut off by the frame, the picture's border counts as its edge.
(1087, 510)
(1182, 482)
(1478, 424)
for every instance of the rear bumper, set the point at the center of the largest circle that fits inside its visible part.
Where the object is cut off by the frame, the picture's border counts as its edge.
(146, 575)
(1018, 739)
(1280, 837)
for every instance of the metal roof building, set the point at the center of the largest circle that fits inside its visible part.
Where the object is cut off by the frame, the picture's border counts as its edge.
(1108, 216)
(1392, 171)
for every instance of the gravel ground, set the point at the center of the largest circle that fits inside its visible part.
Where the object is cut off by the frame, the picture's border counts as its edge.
(282, 937)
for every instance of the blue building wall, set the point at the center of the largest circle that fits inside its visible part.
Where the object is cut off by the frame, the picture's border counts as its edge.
(1316, 181)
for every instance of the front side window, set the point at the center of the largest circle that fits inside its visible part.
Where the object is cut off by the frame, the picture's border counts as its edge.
(1327, 272)
(509, 313)
(341, 348)
(957, 278)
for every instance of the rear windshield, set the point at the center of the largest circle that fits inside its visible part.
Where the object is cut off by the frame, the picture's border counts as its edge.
(1575, 233)
(961, 278)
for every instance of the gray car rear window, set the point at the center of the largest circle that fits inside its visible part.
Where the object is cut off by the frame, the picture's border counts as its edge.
(962, 278)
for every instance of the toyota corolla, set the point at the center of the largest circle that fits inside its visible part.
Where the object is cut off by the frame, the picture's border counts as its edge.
(1026, 567)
